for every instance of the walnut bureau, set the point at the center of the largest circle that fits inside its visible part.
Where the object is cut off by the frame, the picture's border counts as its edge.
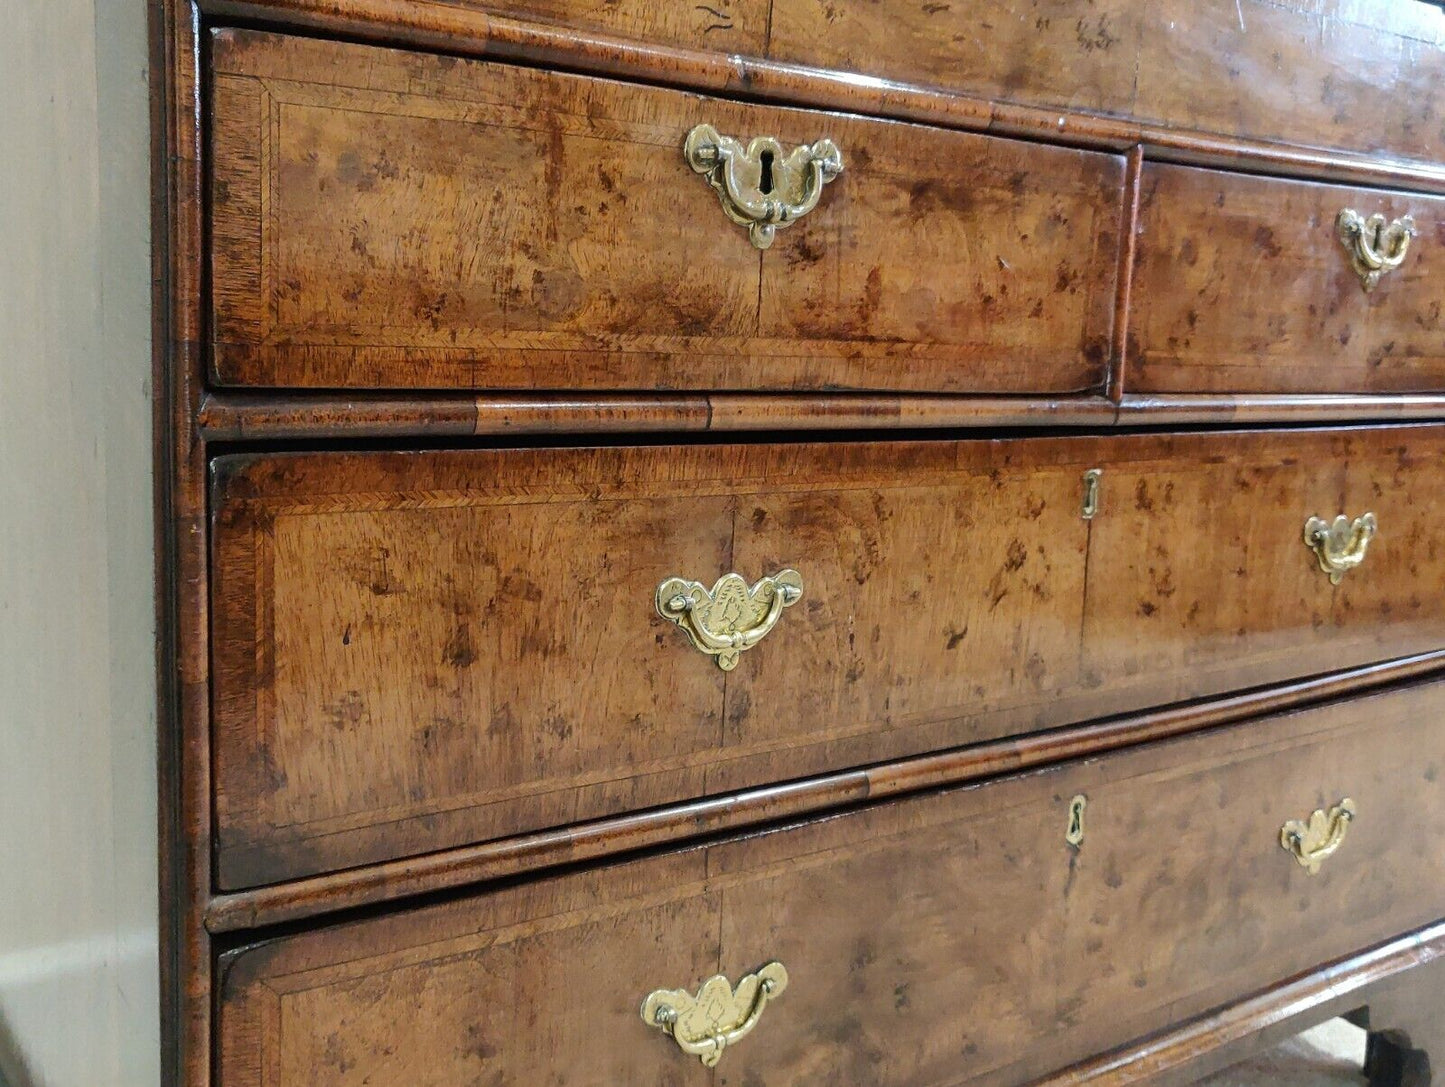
(782, 542)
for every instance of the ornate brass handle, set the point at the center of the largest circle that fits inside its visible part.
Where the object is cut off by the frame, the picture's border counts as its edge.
(1312, 841)
(1375, 246)
(762, 186)
(718, 1016)
(1340, 545)
(730, 617)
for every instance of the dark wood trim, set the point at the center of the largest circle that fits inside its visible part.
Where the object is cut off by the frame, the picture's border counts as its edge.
(228, 417)
(454, 868)
(183, 739)
(1128, 233)
(1215, 1041)
(440, 27)
(273, 417)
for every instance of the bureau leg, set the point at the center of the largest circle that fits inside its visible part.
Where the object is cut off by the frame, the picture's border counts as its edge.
(1390, 1063)
(1406, 1024)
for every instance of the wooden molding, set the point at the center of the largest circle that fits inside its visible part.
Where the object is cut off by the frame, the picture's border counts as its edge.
(1214, 1041)
(453, 868)
(447, 28)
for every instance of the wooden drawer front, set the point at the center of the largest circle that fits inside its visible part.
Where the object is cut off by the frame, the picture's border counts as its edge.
(416, 651)
(397, 220)
(940, 939)
(1200, 580)
(1242, 285)
(420, 650)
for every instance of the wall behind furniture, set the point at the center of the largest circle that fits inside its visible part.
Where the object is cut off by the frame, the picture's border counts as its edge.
(78, 1001)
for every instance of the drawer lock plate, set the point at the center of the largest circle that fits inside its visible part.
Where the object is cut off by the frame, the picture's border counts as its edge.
(762, 185)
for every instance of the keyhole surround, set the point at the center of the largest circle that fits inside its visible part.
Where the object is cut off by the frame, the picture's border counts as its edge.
(1075, 833)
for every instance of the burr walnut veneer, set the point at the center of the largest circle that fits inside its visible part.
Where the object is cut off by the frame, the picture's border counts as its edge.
(421, 650)
(780, 542)
(940, 939)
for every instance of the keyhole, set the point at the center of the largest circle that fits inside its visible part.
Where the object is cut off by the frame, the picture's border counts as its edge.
(765, 183)
(1075, 834)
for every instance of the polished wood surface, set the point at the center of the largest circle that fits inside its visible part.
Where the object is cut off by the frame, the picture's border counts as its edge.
(1350, 987)
(182, 598)
(408, 878)
(1199, 577)
(1343, 75)
(239, 416)
(1242, 286)
(417, 651)
(1350, 89)
(1015, 954)
(407, 644)
(393, 220)
(1358, 76)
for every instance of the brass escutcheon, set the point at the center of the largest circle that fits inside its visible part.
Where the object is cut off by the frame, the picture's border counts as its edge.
(762, 186)
(1374, 245)
(1340, 545)
(730, 617)
(719, 1015)
(1315, 839)
(1074, 832)
(1090, 508)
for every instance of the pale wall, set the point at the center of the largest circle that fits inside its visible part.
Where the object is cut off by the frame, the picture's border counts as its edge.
(78, 1004)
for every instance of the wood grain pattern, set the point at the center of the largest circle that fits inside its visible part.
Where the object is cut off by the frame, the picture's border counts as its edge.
(503, 858)
(182, 606)
(393, 220)
(458, 31)
(408, 644)
(1356, 75)
(1243, 286)
(1352, 87)
(1200, 580)
(1363, 76)
(232, 416)
(1213, 1042)
(416, 651)
(739, 26)
(1016, 953)
(229, 415)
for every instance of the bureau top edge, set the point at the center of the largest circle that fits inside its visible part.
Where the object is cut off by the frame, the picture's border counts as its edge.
(1350, 94)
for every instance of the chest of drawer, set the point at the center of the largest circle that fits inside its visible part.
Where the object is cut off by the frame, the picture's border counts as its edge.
(982, 935)
(385, 219)
(1246, 284)
(416, 651)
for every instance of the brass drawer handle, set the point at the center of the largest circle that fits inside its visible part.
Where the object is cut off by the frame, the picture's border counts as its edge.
(718, 1016)
(1312, 841)
(730, 617)
(1340, 545)
(1375, 246)
(762, 186)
